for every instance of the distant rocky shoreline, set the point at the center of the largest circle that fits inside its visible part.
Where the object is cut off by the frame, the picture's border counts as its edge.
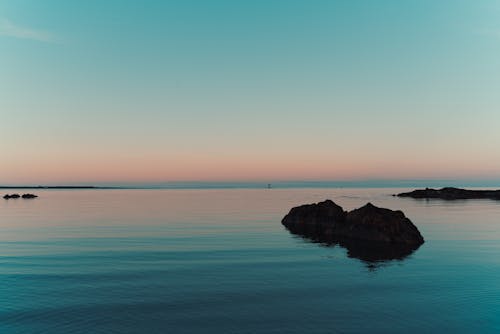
(50, 187)
(451, 193)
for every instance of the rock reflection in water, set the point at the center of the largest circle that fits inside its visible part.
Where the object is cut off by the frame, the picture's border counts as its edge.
(373, 254)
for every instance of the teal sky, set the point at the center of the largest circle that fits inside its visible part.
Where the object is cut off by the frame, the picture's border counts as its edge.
(109, 91)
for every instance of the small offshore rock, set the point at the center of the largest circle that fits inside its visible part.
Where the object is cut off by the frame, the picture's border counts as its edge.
(11, 196)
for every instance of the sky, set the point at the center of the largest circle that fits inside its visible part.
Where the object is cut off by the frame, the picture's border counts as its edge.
(193, 90)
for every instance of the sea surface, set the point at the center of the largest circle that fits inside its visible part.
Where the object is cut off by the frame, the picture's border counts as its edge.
(219, 261)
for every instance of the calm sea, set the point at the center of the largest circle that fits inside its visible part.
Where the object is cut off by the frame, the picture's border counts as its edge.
(219, 261)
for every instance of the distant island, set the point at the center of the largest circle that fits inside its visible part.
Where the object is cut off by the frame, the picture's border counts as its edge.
(451, 193)
(50, 187)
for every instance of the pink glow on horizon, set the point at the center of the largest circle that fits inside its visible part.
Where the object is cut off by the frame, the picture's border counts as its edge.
(206, 168)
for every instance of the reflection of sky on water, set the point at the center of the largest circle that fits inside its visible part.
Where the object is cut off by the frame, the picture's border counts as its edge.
(211, 260)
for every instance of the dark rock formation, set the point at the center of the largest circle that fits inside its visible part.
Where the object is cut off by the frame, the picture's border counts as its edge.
(368, 233)
(11, 196)
(450, 193)
(367, 223)
(29, 196)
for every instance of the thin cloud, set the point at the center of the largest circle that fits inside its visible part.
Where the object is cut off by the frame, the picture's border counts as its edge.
(7, 28)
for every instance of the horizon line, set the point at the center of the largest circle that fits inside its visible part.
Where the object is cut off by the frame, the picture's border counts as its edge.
(357, 183)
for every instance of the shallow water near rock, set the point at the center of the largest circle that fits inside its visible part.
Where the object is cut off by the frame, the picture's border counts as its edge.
(219, 261)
